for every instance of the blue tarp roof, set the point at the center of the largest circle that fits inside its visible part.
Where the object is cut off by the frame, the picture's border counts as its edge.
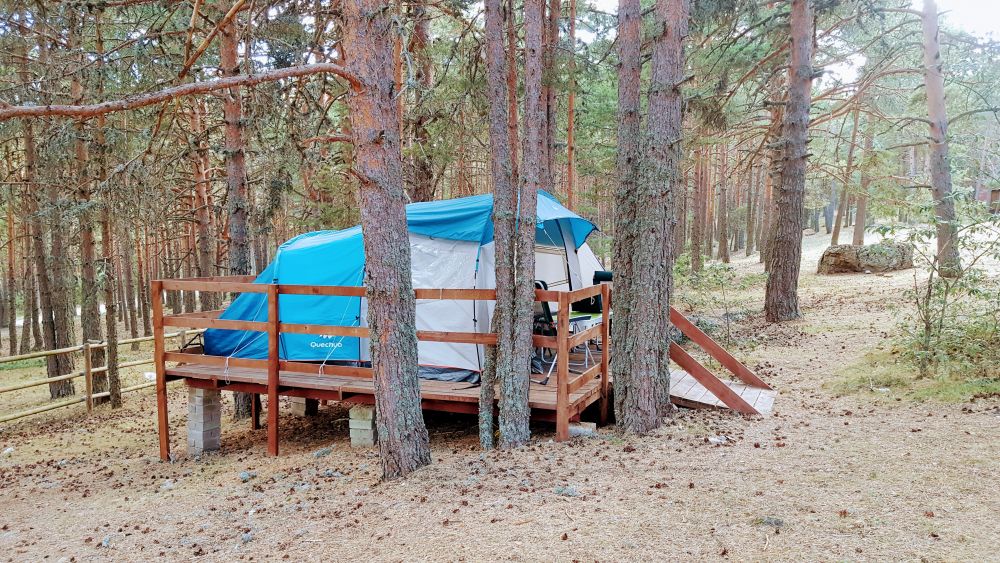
(337, 258)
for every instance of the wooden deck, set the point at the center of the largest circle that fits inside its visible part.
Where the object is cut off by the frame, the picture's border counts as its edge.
(436, 395)
(687, 392)
(572, 385)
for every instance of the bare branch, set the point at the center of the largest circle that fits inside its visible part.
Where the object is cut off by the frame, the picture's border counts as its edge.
(141, 100)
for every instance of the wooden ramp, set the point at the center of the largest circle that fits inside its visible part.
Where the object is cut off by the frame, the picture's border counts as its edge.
(687, 392)
(697, 387)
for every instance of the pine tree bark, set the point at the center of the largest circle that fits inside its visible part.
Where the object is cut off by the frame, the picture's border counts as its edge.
(861, 219)
(948, 260)
(422, 188)
(368, 33)
(644, 214)
(144, 276)
(722, 228)
(514, 378)
(781, 301)
(512, 110)
(203, 235)
(501, 360)
(11, 283)
(848, 174)
(698, 218)
(236, 182)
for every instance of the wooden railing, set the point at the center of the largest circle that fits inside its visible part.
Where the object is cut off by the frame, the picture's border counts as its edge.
(87, 373)
(562, 342)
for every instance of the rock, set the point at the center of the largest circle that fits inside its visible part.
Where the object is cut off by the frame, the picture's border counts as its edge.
(582, 430)
(717, 440)
(247, 475)
(167, 485)
(322, 452)
(106, 542)
(247, 537)
(7, 451)
(808, 232)
(567, 491)
(771, 521)
(881, 257)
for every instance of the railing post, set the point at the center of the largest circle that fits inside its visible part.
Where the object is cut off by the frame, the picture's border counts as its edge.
(273, 335)
(562, 370)
(605, 348)
(88, 376)
(161, 376)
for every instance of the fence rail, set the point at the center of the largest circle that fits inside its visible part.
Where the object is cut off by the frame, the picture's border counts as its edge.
(87, 373)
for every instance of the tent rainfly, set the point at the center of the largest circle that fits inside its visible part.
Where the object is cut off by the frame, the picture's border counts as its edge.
(451, 246)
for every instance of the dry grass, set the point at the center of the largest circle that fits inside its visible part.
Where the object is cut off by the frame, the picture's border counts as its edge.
(830, 476)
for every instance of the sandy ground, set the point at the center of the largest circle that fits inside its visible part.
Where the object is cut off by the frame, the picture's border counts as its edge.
(870, 476)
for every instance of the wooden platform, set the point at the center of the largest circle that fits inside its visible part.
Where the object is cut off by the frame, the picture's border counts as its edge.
(572, 386)
(687, 392)
(437, 395)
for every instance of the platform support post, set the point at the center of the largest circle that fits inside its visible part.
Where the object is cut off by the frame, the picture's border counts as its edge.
(204, 420)
(362, 426)
(562, 370)
(161, 377)
(304, 407)
(255, 408)
(273, 362)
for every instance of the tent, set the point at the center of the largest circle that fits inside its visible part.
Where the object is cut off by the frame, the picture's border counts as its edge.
(451, 246)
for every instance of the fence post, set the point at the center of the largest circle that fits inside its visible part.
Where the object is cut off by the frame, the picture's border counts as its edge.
(161, 377)
(273, 334)
(562, 370)
(605, 348)
(88, 376)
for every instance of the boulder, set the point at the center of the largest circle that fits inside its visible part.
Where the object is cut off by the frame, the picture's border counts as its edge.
(881, 257)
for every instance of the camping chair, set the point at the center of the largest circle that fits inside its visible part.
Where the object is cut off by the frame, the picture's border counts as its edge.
(545, 324)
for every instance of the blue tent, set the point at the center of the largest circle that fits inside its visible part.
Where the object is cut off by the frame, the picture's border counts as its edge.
(451, 247)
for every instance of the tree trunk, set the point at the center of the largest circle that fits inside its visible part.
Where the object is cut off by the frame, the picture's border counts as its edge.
(511, 28)
(861, 220)
(520, 209)
(422, 188)
(644, 215)
(722, 230)
(501, 364)
(781, 301)
(368, 33)
(31, 333)
(128, 249)
(203, 239)
(698, 219)
(753, 197)
(848, 173)
(144, 277)
(948, 260)
(11, 283)
(236, 183)
(571, 110)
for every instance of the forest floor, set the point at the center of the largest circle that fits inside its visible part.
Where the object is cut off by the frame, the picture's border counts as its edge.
(838, 472)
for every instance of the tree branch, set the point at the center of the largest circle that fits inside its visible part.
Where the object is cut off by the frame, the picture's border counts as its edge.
(141, 100)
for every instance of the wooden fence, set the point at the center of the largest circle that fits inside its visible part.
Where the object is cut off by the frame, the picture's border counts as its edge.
(87, 373)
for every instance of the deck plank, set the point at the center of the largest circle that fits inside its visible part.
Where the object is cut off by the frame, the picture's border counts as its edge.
(541, 397)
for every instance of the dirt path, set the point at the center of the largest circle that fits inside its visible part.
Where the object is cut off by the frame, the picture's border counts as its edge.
(859, 477)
